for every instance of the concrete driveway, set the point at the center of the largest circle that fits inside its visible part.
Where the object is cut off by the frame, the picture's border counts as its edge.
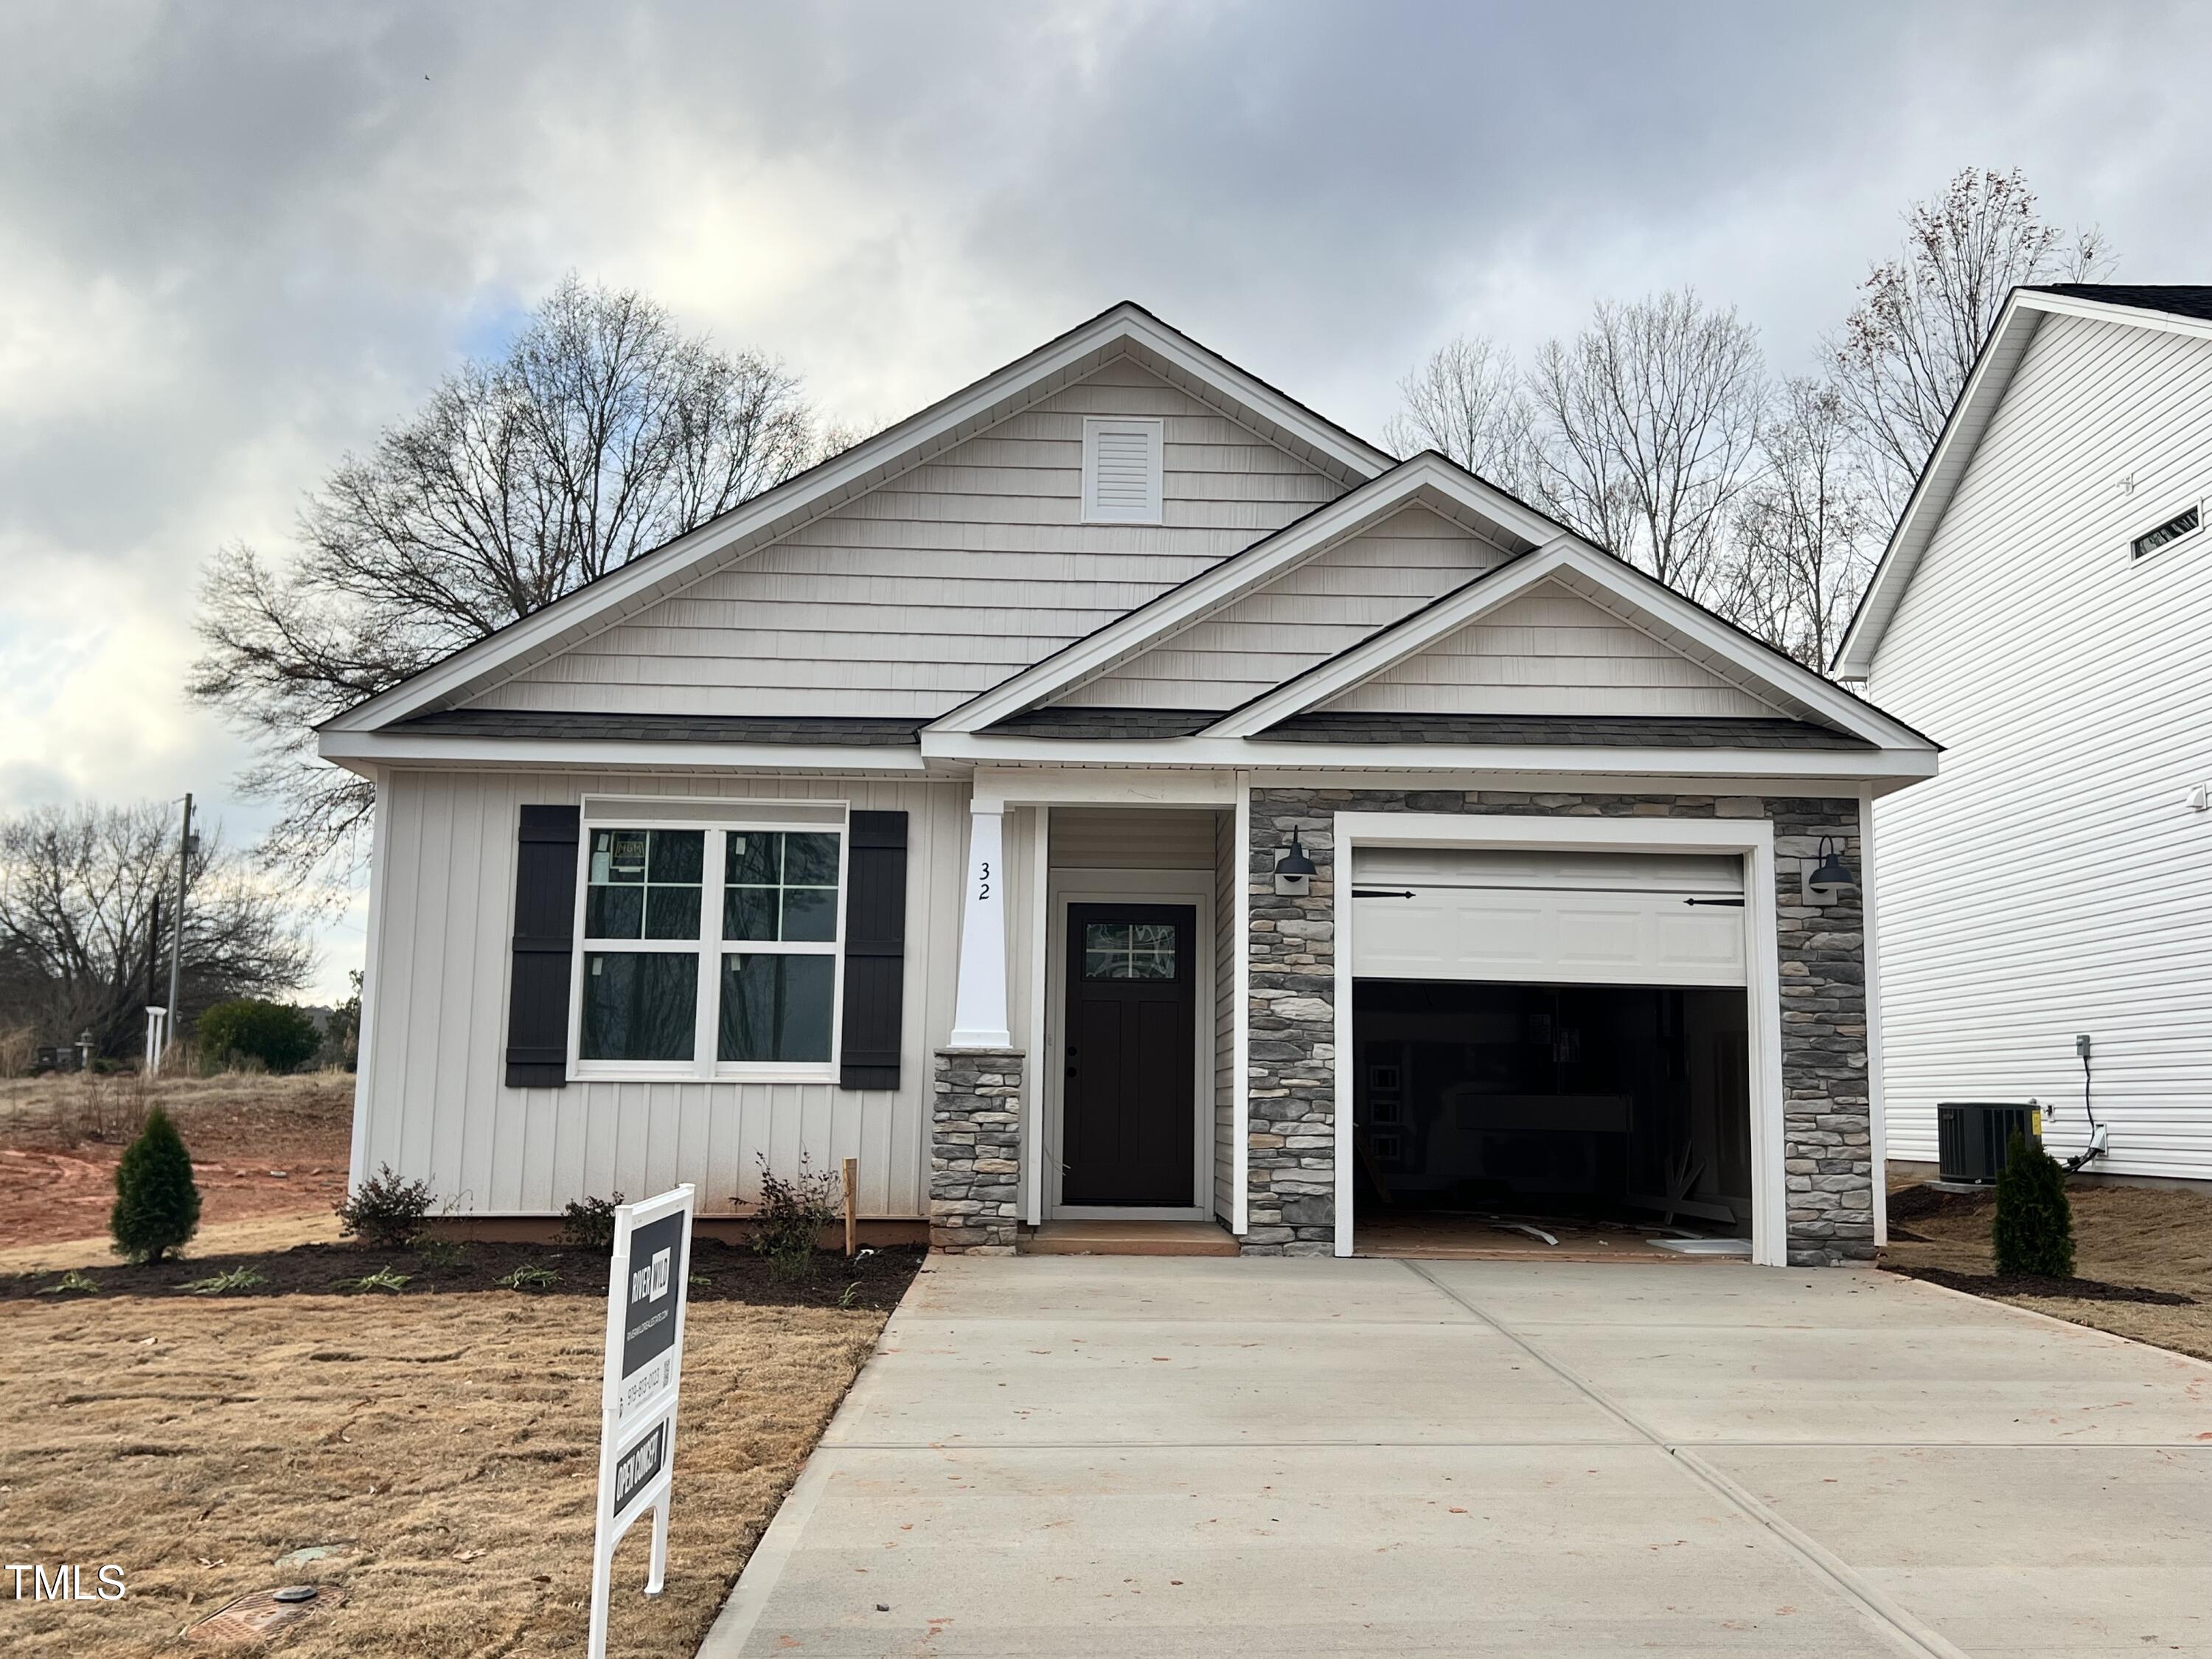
(1078, 1455)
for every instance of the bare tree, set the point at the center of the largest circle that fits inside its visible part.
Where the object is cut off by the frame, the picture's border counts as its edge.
(603, 432)
(1805, 529)
(1905, 351)
(1468, 402)
(1648, 430)
(79, 892)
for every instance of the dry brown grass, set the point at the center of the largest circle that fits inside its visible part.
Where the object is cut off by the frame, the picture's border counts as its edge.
(452, 1443)
(2122, 1235)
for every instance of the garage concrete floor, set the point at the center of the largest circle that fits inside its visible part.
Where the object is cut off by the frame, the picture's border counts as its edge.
(1086, 1455)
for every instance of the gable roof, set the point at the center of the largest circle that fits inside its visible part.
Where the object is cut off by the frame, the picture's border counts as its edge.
(1124, 330)
(1793, 689)
(1428, 479)
(2180, 309)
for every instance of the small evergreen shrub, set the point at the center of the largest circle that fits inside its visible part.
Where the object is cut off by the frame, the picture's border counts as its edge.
(589, 1224)
(250, 1030)
(384, 1211)
(157, 1207)
(792, 1215)
(2034, 1230)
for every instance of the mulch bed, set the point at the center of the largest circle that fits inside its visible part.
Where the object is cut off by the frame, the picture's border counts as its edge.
(2037, 1285)
(721, 1273)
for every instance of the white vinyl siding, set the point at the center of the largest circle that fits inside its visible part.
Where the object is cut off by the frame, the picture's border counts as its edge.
(1550, 652)
(1114, 838)
(435, 1103)
(944, 581)
(1326, 604)
(2052, 881)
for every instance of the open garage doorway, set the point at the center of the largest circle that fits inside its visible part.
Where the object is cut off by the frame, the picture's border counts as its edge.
(1573, 1121)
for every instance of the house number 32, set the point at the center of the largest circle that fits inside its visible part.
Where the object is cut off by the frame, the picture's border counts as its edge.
(983, 880)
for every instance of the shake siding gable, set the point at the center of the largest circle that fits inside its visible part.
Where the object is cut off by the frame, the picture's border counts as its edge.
(1549, 652)
(1311, 612)
(2052, 882)
(945, 580)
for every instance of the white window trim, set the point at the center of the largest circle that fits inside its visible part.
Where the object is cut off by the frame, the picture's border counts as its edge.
(2168, 516)
(716, 820)
(1154, 432)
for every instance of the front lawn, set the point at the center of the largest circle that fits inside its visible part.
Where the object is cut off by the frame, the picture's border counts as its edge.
(442, 1438)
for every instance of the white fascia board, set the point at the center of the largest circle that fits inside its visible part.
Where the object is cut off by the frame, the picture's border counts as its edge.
(1240, 573)
(1763, 669)
(1106, 756)
(863, 467)
(357, 751)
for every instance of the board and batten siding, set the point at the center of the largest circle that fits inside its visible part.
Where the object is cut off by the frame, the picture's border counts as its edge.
(944, 581)
(1326, 604)
(2052, 880)
(1549, 651)
(434, 1104)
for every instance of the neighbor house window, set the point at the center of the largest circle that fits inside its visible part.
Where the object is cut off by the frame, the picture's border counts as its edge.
(710, 952)
(2180, 525)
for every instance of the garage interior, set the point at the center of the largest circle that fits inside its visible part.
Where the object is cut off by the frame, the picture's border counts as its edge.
(1552, 1056)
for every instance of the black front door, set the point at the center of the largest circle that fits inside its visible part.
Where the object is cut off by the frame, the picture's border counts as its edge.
(1128, 1099)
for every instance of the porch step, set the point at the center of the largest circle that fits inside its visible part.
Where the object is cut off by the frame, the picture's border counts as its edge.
(1127, 1239)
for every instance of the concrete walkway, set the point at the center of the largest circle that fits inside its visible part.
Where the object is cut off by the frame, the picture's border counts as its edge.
(1086, 1455)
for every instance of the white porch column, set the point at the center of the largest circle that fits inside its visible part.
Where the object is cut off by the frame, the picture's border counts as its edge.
(979, 1011)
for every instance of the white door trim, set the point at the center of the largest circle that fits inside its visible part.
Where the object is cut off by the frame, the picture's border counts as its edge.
(1750, 838)
(1191, 887)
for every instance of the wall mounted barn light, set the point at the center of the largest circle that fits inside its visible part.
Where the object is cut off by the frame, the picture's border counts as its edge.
(1294, 871)
(1826, 879)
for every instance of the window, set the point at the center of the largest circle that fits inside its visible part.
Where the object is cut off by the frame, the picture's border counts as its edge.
(710, 952)
(2180, 525)
(1129, 950)
(1123, 466)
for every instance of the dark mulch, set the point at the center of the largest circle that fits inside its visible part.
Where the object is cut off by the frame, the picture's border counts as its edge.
(722, 1273)
(2037, 1285)
(1925, 1203)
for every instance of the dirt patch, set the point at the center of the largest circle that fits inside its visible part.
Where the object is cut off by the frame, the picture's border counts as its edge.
(720, 1272)
(439, 1449)
(2144, 1255)
(260, 1146)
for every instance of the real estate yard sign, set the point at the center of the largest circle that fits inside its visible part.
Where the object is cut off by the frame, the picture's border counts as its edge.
(648, 1286)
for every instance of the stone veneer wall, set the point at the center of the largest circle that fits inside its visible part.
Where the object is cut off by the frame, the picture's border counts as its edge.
(1828, 1144)
(974, 1151)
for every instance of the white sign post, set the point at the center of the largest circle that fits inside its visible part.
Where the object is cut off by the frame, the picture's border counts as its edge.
(647, 1289)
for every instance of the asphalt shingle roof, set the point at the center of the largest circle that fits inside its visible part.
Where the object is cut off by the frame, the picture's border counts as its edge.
(857, 732)
(2179, 300)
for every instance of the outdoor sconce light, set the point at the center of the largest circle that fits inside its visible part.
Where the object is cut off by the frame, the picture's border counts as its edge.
(1825, 881)
(1294, 871)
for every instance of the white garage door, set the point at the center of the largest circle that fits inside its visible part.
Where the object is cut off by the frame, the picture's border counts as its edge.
(1548, 918)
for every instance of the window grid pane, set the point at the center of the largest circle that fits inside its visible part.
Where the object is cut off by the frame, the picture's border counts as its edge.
(776, 1008)
(639, 1005)
(644, 884)
(1123, 950)
(781, 887)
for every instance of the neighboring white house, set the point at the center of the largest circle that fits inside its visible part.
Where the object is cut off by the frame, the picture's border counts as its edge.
(2045, 612)
(1119, 791)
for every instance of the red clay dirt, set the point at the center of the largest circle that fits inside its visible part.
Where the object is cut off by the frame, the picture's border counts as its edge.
(261, 1146)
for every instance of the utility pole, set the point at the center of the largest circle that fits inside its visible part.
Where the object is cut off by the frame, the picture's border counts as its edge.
(176, 926)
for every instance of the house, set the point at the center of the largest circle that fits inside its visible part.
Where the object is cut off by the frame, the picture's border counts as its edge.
(2045, 609)
(1117, 791)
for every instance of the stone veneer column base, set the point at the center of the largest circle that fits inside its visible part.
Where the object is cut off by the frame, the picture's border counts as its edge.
(974, 1151)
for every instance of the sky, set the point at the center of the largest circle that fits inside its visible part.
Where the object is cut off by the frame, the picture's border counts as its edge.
(237, 240)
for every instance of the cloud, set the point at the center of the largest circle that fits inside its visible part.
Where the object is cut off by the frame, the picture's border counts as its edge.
(236, 241)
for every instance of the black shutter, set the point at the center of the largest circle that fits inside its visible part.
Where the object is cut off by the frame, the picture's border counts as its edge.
(545, 945)
(875, 949)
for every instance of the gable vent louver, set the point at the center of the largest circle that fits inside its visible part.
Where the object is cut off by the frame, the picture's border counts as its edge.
(1121, 471)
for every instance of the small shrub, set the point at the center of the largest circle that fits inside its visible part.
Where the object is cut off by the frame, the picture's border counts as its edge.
(2033, 1228)
(589, 1224)
(240, 1278)
(382, 1280)
(71, 1283)
(384, 1211)
(792, 1215)
(157, 1207)
(278, 1037)
(443, 1254)
(530, 1277)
